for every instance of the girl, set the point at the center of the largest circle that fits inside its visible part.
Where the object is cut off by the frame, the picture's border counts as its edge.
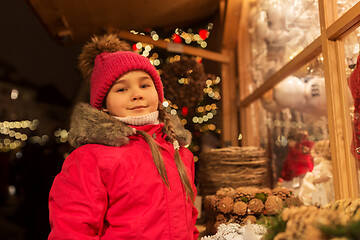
(130, 176)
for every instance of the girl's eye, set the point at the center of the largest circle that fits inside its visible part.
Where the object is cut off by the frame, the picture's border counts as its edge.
(121, 90)
(145, 86)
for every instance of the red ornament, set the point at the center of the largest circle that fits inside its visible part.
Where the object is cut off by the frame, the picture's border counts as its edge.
(176, 38)
(203, 34)
(184, 111)
(134, 47)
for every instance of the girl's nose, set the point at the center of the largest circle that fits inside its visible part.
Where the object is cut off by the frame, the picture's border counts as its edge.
(137, 96)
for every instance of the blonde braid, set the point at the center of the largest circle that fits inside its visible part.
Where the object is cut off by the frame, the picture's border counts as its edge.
(179, 163)
(158, 160)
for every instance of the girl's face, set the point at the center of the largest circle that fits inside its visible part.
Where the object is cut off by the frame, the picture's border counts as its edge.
(133, 94)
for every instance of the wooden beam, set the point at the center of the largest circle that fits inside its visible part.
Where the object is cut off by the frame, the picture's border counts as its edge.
(232, 16)
(171, 47)
(339, 122)
(345, 24)
(230, 123)
(308, 54)
(249, 115)
(222, 11)
(229, 132)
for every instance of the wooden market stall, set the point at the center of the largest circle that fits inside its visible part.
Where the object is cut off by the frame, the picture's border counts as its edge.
(240, 108)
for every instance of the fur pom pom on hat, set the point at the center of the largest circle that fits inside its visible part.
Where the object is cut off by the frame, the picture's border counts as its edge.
(104, 59)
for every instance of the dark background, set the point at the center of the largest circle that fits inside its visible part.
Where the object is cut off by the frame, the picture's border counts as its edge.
(26, 46)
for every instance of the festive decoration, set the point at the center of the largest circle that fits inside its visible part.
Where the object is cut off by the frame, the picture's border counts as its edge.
(134, 48)
(17, 133)
(203, 34)
(290, 92)
(300, 223)
(338, 220)
(191, 77)
(186, 80)
(244, 204)
(233, 167)
(315, 94)
(269, 103)
(176, 38)
(234, 231)
(184, 111)
(298, 160)
(318, 186)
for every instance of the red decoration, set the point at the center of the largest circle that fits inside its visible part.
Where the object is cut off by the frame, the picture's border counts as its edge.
(176, 38)
(298, 160)
(354, 85)
(184, 111)
(134, 47)
(203, 34)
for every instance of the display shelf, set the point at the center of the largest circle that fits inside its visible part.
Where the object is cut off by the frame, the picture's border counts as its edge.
(330, 43)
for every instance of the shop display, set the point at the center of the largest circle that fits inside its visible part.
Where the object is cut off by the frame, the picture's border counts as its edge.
(233, 167)
(315, 94)
(298, 160)
(245, 205)
(335, 221)
(290, 92)
(317, 187)
(269, 103)
(338, 220)
(234, 231)
(280, 29)
(354, 86)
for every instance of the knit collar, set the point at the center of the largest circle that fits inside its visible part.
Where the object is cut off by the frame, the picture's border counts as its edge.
(151, 118)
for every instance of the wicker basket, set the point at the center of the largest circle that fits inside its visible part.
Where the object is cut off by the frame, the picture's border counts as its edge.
(233, 167)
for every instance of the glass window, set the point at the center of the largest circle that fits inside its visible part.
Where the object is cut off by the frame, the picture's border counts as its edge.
(279, 30)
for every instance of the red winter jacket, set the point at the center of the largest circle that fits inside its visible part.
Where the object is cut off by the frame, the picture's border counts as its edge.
(115, 192)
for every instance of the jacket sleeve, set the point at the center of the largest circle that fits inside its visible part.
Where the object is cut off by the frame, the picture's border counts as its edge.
(78, 199)
(194, 210)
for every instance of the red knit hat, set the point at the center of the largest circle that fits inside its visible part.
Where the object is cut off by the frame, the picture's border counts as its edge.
(106, 58)
(109, 67)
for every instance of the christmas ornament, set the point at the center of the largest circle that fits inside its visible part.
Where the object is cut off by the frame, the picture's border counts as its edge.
(203, 34)
(315, 94)
(134, 47)
(184, 111)
(268, 102)
(176, 38)
(290, 92)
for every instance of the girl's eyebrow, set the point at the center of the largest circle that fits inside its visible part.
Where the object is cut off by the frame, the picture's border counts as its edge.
(145, 78)
(141, 78)
(119, 81)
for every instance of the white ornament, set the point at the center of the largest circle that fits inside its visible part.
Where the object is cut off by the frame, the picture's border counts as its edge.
(290, 92)
(268, 102)
(315, 94)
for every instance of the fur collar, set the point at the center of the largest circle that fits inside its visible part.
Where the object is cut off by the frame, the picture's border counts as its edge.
(89, 125)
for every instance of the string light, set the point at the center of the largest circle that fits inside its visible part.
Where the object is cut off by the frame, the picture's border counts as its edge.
(11, 131)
